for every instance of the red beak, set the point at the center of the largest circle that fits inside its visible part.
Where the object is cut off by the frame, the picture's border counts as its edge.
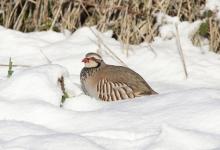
(85, 60)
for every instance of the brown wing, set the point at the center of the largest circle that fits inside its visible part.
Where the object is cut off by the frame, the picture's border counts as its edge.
(121, 83)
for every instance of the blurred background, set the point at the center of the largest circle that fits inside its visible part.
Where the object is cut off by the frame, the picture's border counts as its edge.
(132, 21)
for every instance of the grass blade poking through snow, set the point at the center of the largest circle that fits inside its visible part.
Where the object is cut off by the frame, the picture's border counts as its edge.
(10, 71)
(65, 95)
(109, 50)
(181, 51)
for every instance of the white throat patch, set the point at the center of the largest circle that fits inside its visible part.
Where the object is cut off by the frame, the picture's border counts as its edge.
(91, 64)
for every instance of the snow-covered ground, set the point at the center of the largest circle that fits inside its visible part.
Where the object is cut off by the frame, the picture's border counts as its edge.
(184, 116)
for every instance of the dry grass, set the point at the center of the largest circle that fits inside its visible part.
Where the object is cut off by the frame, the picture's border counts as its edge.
(132, 21)
(214, 35)
(210, 30)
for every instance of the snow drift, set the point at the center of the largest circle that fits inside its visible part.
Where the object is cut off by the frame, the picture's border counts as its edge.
(184, 116)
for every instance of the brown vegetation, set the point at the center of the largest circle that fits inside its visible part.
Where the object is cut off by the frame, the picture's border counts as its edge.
(132, 21)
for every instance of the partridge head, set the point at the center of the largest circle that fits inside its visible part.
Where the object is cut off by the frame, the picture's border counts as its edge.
(109, 82)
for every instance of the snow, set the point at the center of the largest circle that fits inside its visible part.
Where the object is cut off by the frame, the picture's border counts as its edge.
(173, 138)
(168, 29)
(185, 115)
(214, 6)
(35, 83)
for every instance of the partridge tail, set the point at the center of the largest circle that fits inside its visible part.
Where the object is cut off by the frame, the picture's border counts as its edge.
(153, 92)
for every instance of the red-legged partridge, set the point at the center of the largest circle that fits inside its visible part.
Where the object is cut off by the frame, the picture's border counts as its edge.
(110, 83)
